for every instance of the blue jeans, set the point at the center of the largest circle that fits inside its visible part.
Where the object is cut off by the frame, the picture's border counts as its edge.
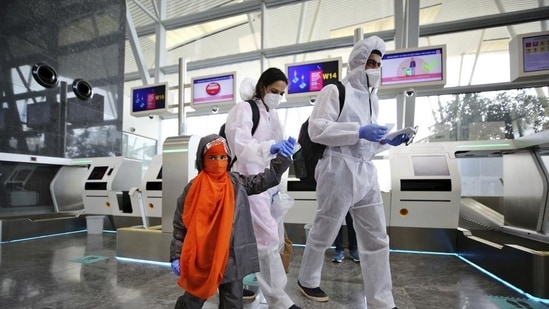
(351, 235)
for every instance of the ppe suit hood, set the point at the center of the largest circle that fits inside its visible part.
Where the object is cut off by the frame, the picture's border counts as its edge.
(362, 50)
(200, 150)
(247, 88)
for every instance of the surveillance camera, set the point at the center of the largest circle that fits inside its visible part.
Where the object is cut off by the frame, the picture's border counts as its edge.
(151, 116)
(409, 92)
(312, 100)
(132, 129)
(215, 109)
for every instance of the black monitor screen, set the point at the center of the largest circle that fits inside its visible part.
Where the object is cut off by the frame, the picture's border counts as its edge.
(40, 114)
(312, 77)
(79, 111)
(151, 98)
(98, 173)
(21, 175)
(2, 119)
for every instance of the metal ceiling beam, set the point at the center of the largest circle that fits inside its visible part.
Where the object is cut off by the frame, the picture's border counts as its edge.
(142, 73)
(477, 55)
(215, 14)
(478, 88)
(160, 42)
(144, 9)
(411, 35)
(485, 22)
(263, 37)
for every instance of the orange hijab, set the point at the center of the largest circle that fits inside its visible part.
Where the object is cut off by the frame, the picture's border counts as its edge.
(208, 217)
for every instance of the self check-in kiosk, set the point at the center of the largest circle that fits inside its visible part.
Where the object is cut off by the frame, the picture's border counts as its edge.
(425, 197)
(151, 188)
(108, 182)
(37, 196)
(175, 169)
(65, 195)
(148, 197)
(299, 218)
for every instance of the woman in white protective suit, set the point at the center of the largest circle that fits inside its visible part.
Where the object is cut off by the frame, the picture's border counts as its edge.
(347, 178)
(253, 153)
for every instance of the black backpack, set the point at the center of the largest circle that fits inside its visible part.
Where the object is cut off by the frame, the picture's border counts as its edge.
(255, 121)
(306, 158)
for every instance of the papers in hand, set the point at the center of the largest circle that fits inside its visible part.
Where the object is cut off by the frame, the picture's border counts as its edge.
(410, 131)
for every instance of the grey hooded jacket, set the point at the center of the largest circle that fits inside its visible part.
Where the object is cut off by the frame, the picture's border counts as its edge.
(243, 258)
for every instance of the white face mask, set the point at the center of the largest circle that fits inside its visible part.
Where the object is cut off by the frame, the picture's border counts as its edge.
(272, 100)
(374, 76)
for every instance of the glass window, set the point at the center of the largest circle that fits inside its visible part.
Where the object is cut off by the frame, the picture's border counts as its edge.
(436, 11)
(309, 21)
(489, 115)
(228, 36)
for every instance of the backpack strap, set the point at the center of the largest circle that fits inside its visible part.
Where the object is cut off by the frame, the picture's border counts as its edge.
(255, 115)
(341, 89)
(255, 121)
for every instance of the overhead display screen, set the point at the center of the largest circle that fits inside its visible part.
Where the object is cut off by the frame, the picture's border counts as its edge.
(148, 99)
(213, 90)
(413, 68)
(310, 77)
(535, 53)
(529, 56)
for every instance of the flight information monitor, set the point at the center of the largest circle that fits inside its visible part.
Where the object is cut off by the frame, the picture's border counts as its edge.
(149, 100)
(214, 91)
(414, 68)
(529, 56)
(305, 79)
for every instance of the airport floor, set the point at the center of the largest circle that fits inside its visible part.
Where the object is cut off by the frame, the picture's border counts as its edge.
(81, 271)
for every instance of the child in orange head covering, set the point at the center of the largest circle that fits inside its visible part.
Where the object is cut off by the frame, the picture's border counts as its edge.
(213, 245)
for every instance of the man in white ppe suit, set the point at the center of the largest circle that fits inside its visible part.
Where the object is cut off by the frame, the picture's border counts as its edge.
(347, 178)
(254, 153)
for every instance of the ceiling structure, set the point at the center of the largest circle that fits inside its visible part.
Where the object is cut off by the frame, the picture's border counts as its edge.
(299, 22)
(248, 36)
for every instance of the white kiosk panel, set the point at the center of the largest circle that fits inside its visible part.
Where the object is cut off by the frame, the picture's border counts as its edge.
(152, 188)
(107, 184)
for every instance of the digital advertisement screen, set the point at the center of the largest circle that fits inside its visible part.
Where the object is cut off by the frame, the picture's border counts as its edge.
(412, 67)
(311, 77)
(535, 51)
(149, 98)
(217, 89)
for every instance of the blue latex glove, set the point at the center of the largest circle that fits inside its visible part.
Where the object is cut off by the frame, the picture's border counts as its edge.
(287, 150)
(284, 147)
(399, 139)
(291, 140)
(175, 267)
(372, 132)
(275, 148)
(289, 147)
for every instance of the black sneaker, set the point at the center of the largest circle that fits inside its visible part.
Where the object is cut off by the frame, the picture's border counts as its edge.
(248, 295)
(315, 294)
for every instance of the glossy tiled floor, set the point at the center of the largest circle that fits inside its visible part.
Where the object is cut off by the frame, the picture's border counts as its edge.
(81, 271)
